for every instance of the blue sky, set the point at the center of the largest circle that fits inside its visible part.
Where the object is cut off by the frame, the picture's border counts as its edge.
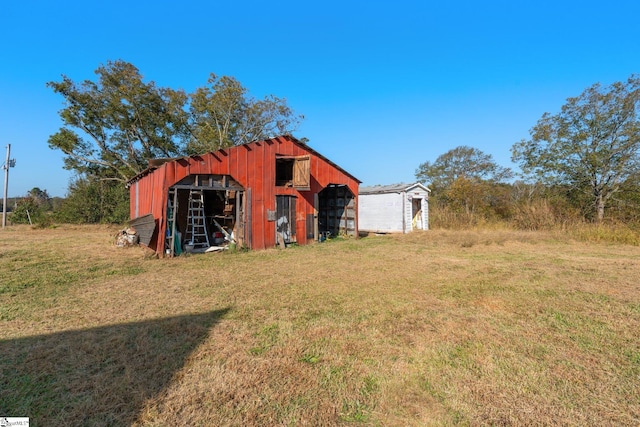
(383, 86)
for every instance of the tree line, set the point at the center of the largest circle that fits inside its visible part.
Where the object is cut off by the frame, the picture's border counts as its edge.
(580, 163)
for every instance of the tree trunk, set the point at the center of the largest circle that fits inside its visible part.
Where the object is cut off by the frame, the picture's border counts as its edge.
(600, 203)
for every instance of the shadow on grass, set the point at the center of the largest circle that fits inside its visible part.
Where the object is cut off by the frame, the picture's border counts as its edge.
(98, 377)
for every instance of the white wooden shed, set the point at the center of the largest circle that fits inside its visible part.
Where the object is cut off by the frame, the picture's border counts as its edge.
(396, 208)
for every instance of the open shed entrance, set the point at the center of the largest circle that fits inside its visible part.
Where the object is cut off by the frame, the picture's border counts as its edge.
(416, 214)
(336, 211)
(204, 212)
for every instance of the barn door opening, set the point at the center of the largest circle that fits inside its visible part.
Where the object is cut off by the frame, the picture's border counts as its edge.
(220, 214)
(336, 211)
(285, 220)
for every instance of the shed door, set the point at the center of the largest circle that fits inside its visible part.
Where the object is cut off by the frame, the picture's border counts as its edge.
(285, 219)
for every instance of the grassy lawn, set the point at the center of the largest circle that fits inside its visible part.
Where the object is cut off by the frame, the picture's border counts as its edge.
(433, 328)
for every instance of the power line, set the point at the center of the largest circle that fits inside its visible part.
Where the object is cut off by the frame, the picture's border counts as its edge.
(9, 163)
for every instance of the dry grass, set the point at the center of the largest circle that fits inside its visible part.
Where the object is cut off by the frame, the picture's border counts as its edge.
(441, 327)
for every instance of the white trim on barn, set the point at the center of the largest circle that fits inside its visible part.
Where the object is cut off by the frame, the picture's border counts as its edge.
(397, 208)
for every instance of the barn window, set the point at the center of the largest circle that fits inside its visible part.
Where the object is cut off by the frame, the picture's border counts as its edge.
(293, 172)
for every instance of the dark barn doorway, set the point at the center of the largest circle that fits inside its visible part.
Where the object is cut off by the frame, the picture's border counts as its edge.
(336, 211)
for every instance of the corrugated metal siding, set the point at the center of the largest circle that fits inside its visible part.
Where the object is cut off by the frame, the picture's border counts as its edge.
(408, 212)
(252, 166)
(391, 211)
(382, 212)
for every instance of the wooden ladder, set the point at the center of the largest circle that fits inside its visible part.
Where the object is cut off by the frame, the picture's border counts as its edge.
(197, 228)
(172, 204)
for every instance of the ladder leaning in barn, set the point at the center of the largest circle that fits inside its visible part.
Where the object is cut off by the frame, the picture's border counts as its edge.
(196, 228)
(172, 244)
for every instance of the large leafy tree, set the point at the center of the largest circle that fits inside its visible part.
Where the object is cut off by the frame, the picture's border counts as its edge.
(91, 200)
(34, 208)
(461, 162)
(464, 179)
(41, 197)
(592, 145)
(223, 114)
(112, 127)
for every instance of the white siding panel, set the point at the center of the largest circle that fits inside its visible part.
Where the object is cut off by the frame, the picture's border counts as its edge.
(380, 212)
(408, 212)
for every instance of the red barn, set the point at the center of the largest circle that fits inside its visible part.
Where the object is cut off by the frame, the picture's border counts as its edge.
(259, 195)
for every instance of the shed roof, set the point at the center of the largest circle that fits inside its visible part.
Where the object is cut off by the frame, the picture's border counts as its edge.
(156, 163)
(391, 188)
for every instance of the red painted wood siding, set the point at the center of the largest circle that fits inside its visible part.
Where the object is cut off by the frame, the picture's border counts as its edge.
(254, 167)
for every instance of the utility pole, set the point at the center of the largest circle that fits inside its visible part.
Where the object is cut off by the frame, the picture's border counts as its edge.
(9, 163)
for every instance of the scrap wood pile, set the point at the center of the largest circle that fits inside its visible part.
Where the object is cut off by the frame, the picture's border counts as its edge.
(126, 237)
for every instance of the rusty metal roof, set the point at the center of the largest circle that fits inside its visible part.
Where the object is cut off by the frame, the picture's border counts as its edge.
(391, 188)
